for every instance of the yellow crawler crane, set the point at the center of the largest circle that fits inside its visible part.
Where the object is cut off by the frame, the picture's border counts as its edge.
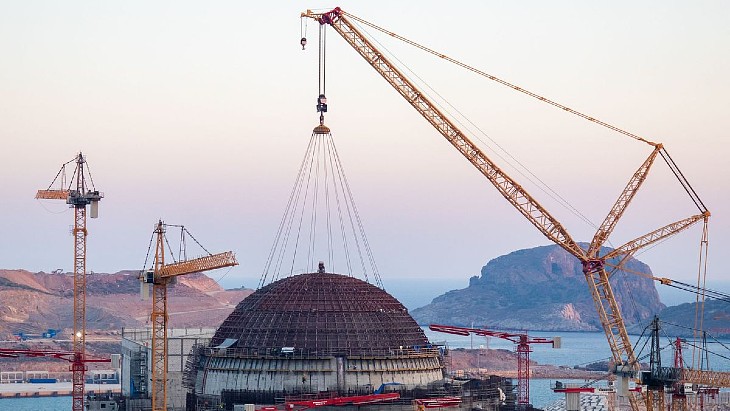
(159, 277)
(594, 265)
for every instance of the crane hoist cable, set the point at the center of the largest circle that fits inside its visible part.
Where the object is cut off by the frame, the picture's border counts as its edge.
(498, 80)
(322, 74)
(321, 186)
(528, 174)
(665, 155)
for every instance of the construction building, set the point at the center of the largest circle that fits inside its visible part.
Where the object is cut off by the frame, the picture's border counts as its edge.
(137, 368)
(312, 333)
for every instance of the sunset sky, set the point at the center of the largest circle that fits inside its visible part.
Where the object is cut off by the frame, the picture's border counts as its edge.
(199, 113)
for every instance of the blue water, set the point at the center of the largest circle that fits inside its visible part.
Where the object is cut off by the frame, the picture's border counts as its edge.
(35, 404)
(578, 348)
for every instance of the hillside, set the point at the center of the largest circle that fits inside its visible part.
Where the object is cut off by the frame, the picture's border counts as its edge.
(678, 320)
(540, 289)
(34, 302)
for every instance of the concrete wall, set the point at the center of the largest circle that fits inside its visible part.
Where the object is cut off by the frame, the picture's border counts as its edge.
(315, 374)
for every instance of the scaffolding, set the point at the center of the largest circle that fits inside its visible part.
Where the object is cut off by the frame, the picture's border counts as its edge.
(320, 313)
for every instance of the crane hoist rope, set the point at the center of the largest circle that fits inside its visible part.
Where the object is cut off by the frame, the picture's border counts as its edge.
(321, 189)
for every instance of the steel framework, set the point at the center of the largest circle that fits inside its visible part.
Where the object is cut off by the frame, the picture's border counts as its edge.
(321, 313)
(523, 350)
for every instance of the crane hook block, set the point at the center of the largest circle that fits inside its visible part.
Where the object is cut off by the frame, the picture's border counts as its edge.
(303, 42)
(322, 103)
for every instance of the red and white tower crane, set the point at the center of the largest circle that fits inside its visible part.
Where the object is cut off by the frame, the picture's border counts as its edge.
(523, 350)
(79, 193)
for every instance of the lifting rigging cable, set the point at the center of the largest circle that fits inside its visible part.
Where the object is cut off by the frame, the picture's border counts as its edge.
(320, 190)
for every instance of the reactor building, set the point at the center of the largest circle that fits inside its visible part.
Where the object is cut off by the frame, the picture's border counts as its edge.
(307, 334)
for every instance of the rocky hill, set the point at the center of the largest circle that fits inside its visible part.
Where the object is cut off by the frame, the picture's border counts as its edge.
(35, 302)
(679, 320)
(541, 288)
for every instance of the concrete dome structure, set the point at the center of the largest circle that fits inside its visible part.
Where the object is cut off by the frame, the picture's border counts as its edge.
(311, 333)
(321, 313)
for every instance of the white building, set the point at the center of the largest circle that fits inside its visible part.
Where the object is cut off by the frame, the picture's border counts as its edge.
(137, 368)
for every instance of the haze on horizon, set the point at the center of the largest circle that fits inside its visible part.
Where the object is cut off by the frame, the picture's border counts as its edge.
(199, 114)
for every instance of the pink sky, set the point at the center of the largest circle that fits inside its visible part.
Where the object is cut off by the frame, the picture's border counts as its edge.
(200, 113)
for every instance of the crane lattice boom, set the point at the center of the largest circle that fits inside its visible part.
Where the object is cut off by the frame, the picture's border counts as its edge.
(708, 378)
(513, 192)
(205, 263)
(52, 194)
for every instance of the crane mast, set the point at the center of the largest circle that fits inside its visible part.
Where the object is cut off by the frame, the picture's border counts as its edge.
(626, 364)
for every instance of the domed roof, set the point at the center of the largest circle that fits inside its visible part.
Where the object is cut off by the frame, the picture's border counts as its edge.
(320, 312)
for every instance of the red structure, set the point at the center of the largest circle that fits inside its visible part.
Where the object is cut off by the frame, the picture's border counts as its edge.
(523, 342)
(78, 366)
(336, 401)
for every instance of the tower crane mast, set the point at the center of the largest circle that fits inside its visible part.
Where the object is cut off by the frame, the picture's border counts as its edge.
(160, 277)
(77, 196)
(594, 265)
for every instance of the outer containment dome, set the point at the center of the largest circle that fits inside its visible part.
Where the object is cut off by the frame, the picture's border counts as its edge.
(321, 313)
(312, 333)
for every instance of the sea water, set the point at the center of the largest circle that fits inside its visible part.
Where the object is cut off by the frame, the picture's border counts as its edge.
(577, 348)
(35, 404)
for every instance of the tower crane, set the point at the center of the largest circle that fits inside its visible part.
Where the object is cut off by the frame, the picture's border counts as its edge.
(77, 196)
(626, 365)
(523, 342)
(159, 277)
